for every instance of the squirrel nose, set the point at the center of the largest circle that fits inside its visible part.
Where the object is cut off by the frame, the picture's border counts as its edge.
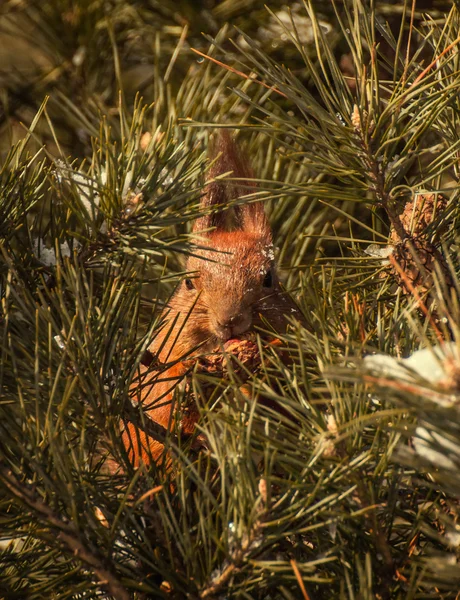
(235, 325)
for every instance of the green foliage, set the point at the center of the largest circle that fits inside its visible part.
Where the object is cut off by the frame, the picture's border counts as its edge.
(314, 483)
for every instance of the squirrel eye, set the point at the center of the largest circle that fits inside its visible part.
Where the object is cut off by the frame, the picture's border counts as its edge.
(189, 284)
(268, 279)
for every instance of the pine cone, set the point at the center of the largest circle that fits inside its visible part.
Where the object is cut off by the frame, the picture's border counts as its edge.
(419, 213)
(245, 350)
(417, 255)
(418, 258)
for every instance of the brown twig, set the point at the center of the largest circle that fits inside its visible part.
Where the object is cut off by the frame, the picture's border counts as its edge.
(412, 289)
(68, 534)
(149, 494)
(377, 175)
(217, 584)
(236, 72)
(361, 312)
(236, 561)
(431, 65)
(298, 576)
(412, 388)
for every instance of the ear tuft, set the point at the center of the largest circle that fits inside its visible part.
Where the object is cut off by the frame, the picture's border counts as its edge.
(228, 158)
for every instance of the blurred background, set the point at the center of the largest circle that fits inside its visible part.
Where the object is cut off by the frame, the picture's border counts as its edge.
(82, 53)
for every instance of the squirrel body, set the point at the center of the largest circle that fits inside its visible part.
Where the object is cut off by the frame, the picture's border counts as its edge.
(232, 288)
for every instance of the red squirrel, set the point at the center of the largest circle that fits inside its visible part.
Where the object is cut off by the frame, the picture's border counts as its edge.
(233, 287)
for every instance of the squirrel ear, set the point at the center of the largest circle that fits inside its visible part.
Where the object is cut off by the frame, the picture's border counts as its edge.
(228, 158)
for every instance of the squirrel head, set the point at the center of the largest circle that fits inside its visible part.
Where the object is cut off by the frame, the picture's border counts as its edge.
(232, 284)
(235, 275)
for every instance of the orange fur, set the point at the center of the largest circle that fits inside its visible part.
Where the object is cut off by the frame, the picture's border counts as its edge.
(226, 295)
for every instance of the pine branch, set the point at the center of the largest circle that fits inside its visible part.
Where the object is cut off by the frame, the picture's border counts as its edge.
(68, 534)
(235, 561)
